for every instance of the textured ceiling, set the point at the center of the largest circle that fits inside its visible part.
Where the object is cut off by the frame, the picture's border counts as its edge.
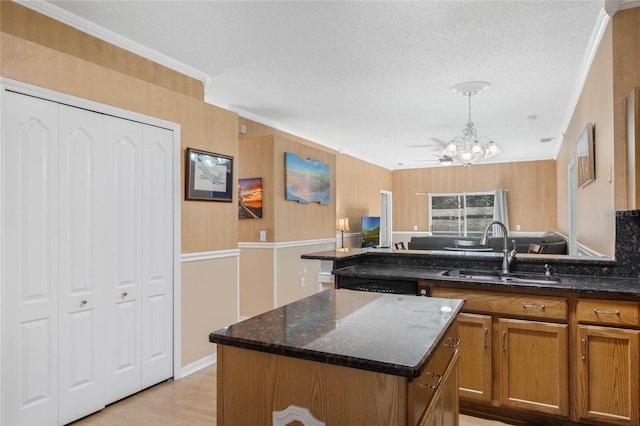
(373, 79)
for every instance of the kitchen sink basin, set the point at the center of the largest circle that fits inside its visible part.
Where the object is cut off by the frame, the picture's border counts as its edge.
(497, 276)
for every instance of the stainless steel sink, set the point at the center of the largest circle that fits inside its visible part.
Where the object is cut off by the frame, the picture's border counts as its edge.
(497, 276)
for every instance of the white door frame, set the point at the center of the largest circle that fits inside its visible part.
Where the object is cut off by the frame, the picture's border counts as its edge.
(571, 210)
(386, 218)
(31, 90)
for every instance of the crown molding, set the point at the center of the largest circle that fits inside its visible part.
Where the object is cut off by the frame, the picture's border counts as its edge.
(613, 6)
(81, 24)
(596, 37)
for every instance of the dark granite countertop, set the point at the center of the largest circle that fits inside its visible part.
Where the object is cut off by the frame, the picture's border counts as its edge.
(606, 285)
(392, 334)
(335, 254)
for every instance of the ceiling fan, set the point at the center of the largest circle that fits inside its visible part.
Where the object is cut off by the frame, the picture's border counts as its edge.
(442, 159)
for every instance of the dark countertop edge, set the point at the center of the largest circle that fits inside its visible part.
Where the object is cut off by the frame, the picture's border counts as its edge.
(336, 359)
(332, 255)
(567, 282)
(322, 357)
(523, 257)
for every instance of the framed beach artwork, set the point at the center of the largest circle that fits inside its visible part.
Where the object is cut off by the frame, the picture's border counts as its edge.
(306, 180)
(209, 176)
(250, 198)
(585, 157)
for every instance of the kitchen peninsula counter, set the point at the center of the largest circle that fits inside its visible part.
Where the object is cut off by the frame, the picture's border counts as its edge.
(338, 353)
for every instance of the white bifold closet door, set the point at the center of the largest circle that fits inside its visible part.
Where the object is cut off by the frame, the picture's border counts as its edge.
(83, 215)
(29, 261)
(88, 257)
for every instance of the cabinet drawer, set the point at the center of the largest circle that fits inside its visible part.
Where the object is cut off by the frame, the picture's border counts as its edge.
(423, 388)
(499, 303)
(613, 312)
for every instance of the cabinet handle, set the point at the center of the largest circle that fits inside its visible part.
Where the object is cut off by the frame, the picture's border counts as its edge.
(584, 349)
(532, 306)
(599, 312)
(437, 384)
(82, 303)
(504, 341)
(124, 294)
(454, 342)
(486, 337)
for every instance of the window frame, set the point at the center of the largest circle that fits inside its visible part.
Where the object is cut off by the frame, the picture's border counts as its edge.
(462, 209)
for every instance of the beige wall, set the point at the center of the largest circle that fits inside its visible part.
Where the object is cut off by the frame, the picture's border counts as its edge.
(614, 73)
(256, 161)
(359, 185)
(43, 52)
(626, 76)
(595, 203)
(208, 303)
(531, 189)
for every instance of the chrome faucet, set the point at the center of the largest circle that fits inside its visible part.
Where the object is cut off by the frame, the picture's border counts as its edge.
(507, 256)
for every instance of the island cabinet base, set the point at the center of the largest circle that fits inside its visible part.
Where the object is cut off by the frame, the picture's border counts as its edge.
(252, 385)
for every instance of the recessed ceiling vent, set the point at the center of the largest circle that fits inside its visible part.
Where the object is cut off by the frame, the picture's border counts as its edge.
(545, 140)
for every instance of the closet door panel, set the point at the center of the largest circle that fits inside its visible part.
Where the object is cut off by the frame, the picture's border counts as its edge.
(157, 256)
(123, 160)
(82, 243)
(30, 260)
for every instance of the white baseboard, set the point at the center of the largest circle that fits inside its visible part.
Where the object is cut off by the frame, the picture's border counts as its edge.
(197, 365)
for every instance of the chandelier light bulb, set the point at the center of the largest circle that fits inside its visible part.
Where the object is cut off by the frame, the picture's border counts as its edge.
(468, 148)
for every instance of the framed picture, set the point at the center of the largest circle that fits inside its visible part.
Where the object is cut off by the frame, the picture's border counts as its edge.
(585, 157)
(306, 180)
(209, 176)
(250, 198)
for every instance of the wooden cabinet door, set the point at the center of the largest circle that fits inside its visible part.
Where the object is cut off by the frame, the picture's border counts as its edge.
(444, 408)
(475, 356)
(608, 374)
(533, 366)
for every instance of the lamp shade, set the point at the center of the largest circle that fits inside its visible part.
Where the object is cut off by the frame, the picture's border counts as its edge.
(343, 223)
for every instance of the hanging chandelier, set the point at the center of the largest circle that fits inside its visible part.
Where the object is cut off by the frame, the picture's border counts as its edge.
(468, 148)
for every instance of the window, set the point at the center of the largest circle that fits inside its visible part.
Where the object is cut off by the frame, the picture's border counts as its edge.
(464, 214)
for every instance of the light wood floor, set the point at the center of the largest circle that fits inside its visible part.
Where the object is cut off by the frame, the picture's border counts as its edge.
(189, 402)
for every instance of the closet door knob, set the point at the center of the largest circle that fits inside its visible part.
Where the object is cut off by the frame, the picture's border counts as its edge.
(124, 294)
(82, 303)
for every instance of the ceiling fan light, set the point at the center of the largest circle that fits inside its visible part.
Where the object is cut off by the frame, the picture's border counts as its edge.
(491, 150)
(451, 149)
(476, 148)
(466, 155)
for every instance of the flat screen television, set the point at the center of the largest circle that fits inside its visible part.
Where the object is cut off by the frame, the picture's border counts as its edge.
(370, 226)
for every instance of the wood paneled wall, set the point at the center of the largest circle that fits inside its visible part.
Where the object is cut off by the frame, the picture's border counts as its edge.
(359, 185)
(614, 72)
(626, 76)
(531, 193)
(296, 221)
(595, 203)
(39, 29)
(255, 160)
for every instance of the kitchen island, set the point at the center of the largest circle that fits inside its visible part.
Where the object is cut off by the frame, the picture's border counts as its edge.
(347, 357)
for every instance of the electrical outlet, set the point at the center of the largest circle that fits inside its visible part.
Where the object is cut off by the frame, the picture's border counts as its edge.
(301, 281)
(517, 227)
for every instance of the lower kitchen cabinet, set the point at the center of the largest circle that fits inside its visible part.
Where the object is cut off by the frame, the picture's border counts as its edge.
(514, 350)
(444, 407)
(533, 366)
(475, 356)
(608, 375)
